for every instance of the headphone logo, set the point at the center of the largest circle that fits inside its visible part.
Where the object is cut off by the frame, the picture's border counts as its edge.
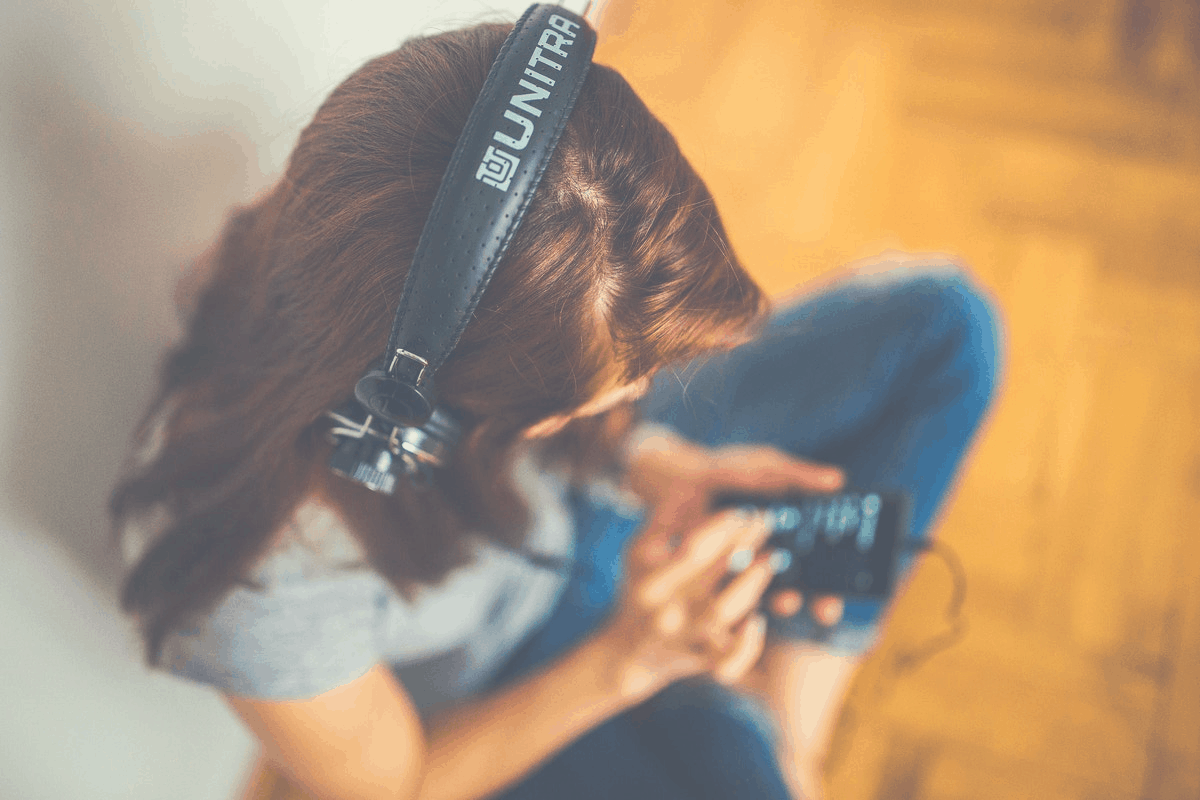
(498, 166)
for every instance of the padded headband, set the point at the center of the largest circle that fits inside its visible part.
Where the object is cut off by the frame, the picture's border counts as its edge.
(496, 167)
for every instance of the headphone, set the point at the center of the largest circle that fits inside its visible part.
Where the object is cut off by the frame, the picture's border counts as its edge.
(394, 427)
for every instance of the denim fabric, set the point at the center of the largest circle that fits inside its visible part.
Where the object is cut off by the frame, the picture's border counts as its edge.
(885, 375)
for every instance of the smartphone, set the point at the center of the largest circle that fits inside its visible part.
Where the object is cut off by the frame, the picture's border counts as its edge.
(845, 543)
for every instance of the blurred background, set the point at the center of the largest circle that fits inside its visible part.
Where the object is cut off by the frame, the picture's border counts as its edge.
(1052, 144)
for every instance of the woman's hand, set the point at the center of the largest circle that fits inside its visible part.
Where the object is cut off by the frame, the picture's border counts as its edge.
(678, 478)
(679, 617)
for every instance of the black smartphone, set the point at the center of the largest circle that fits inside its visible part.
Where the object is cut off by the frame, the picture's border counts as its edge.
(845, 543)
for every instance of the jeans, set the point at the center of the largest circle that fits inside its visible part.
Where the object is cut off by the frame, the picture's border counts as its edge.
(887, 376)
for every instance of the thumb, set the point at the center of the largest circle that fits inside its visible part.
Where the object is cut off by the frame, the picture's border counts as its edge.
(764, 468)
(653, 546)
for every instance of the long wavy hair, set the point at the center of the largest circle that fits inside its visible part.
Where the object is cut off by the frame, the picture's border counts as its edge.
(620, 268)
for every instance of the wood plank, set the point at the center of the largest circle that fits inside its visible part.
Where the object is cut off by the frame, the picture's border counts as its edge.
(1070, 15)
(1157, 317)
(962, 772)
(1174, 748)
(1037, 700)
(1107, 117)
(1014, 45)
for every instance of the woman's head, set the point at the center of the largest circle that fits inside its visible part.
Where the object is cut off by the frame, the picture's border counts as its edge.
(620, 268)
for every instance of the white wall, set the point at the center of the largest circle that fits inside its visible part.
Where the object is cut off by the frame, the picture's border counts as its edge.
(127, 129)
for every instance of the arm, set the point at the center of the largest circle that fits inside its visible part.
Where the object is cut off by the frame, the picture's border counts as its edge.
(480, 747)
(361, 740)
(364, 740)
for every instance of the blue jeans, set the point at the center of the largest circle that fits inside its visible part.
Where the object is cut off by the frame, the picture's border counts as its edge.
(887, 376)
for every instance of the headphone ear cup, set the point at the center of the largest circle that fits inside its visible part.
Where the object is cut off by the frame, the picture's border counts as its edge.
(397, 402)
(446, 426)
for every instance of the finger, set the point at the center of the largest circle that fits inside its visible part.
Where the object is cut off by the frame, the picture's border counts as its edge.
(747, 647)
(670, 620)
(636, 681)
(706, 546)
(654, 670)
(668, 520)
(752, 538)
(828, 610)
(765, 469)
(739, 556)
(739, 599)
(757, 468)
(785, 602)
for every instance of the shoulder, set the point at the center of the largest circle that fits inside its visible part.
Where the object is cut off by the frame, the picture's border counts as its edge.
(306, 620)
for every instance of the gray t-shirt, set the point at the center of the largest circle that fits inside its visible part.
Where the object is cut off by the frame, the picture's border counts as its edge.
(326, 617)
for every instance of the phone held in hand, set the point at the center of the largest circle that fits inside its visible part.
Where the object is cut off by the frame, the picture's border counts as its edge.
(845, 543)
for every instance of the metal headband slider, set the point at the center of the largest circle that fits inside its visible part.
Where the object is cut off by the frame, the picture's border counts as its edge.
(411, 356)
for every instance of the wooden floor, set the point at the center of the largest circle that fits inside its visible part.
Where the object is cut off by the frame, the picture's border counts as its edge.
(1064, 166)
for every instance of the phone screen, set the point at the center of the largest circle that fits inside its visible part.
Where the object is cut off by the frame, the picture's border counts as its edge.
(844, 543)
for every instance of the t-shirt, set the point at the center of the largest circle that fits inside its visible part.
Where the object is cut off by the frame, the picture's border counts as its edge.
(326, 617)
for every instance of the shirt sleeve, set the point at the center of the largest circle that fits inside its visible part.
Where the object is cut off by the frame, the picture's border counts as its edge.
(287, 643)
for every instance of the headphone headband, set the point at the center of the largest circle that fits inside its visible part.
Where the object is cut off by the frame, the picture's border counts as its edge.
(497, 164)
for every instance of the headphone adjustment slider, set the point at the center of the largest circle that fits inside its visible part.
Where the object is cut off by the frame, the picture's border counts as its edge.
(412, 356)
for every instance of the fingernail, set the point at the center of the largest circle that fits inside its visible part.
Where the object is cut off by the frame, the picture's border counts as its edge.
(745, 514)
(740, 560)
(831, 478)
(780, 560)
(828, 614)
(670, 620)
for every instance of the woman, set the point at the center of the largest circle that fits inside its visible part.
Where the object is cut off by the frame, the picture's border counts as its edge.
(549, 620)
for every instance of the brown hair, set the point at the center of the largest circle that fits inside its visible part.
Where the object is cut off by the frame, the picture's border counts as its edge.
(621, 267)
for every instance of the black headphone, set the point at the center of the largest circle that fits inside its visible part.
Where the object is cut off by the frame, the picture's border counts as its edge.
(394, 427)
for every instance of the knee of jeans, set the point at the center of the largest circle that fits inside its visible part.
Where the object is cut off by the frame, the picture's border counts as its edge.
(973, 312)
(703, 693)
